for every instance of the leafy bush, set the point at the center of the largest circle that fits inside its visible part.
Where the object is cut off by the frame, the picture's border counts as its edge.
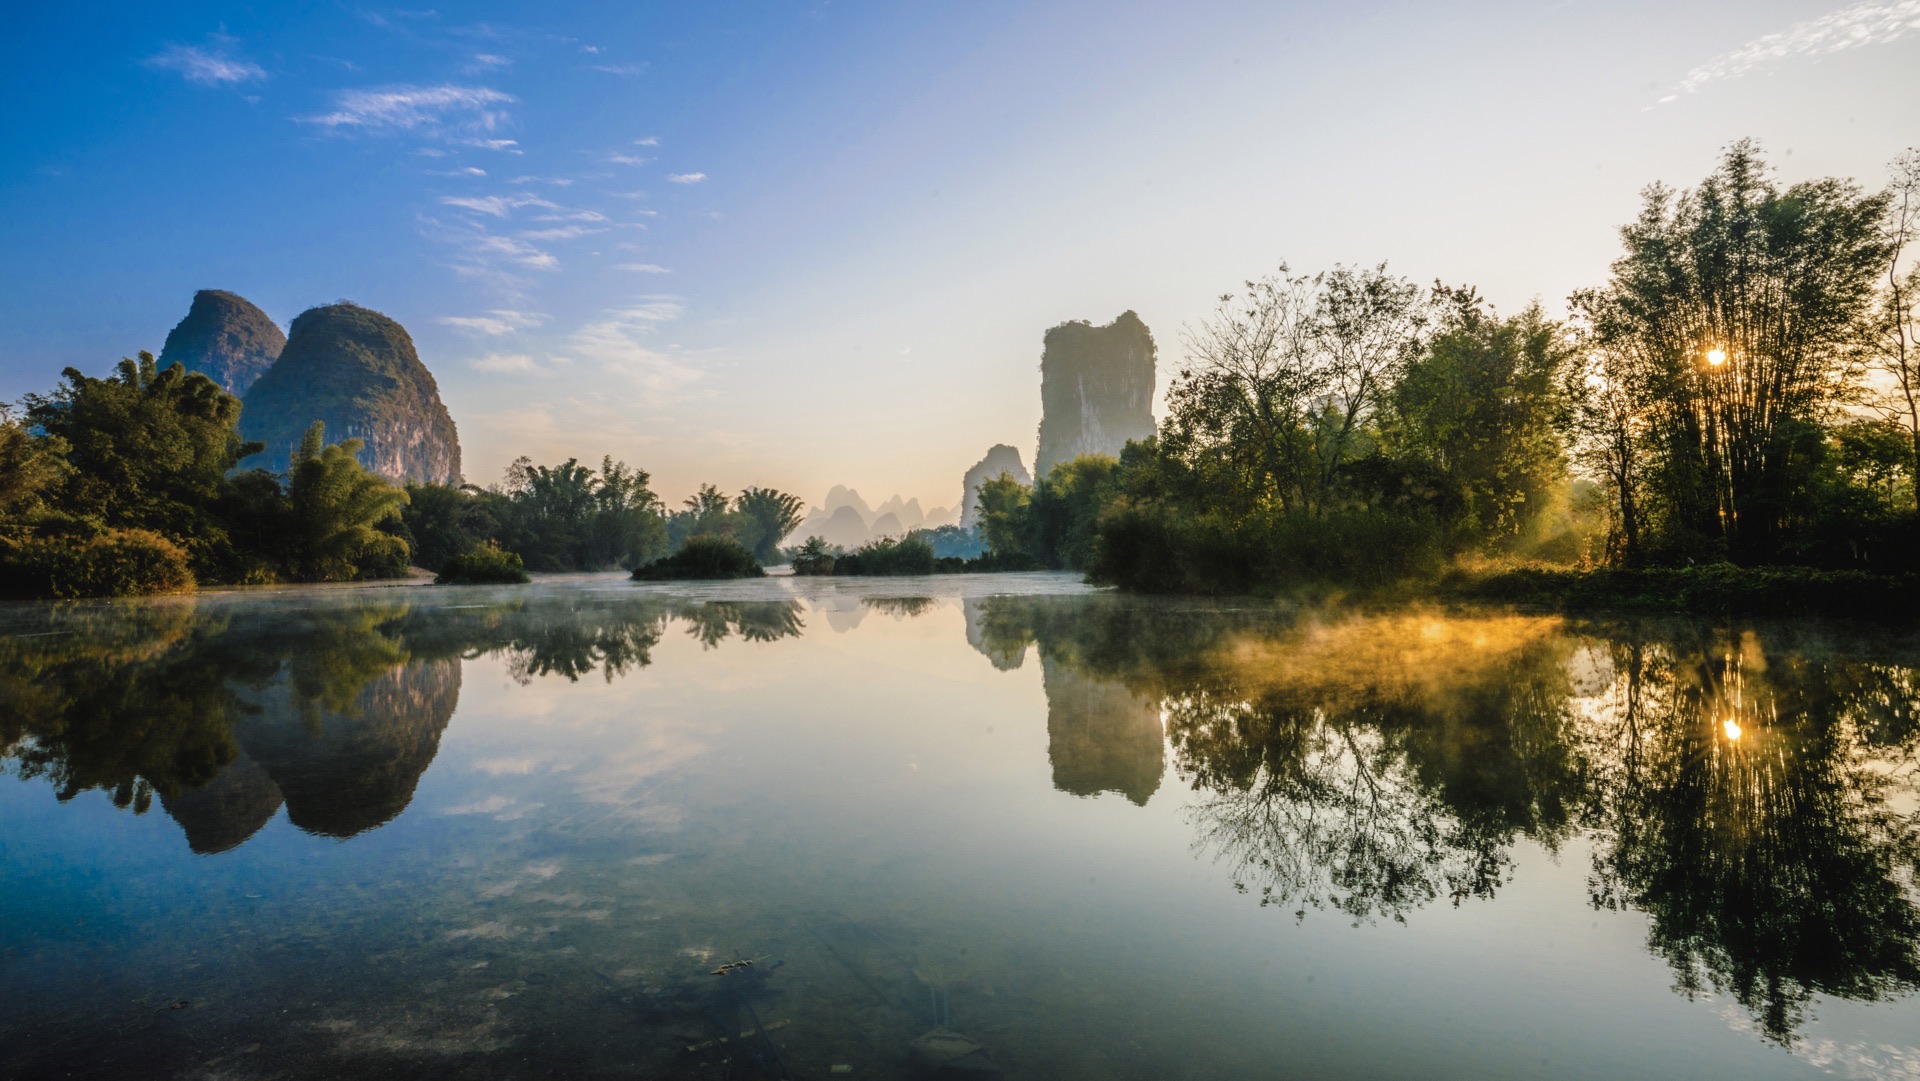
(704, 557)
(482, 565)
(909, 555)
(1717, 589)
(117, 563)
(812, 557)
(1151, 549)
(952, 542)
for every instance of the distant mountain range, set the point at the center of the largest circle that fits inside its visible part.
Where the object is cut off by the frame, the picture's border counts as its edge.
(847, 520)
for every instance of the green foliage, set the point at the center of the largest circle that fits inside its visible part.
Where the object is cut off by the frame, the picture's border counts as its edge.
(1148, 547)
(1729, 333)
(952, 541)
(703, 557)
(888, 556)
(114, 563)
(1063, 513)
(1720, 589)
(813, 557)
(443, 521)
(483, 565)
(145, 449)
(566, 517)
(334, 510)
(29, 469)
(774, 514)
(1481, 410)
(1003, 513)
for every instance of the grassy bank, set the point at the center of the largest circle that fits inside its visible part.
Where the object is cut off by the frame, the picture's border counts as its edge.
(1717, 589)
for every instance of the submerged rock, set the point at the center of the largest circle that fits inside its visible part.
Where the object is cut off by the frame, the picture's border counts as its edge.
(225, 338)
(1096, 389)
(355, 370)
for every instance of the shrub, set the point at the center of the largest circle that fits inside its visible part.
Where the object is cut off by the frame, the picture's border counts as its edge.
(116, 563)
(704, 557)
(909, 555)
(1152, 549)
(1720, 589)
(483, 565)
(813, 557)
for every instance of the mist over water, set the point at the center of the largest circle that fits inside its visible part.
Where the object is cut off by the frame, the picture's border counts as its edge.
(478, 832)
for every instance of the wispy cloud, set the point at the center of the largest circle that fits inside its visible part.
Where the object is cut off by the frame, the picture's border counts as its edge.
(628, 70)
(563, 232)
(495, 323)
(516, 364)
(616, 344)
(484, 253)
(495, 205)
(1848, 28)
(642, 268)
(488, 62)
(562, 214)
(433, 110)
(627, 159)
(686, 178)
(648, 141)
(471, 170)
(207, 67)
(556, 181)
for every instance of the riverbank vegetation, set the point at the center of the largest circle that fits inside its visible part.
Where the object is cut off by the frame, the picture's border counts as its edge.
(704, 556)
(484, 564)
(131, 484)
(137, 483)
(1743, 392)
(570, 517)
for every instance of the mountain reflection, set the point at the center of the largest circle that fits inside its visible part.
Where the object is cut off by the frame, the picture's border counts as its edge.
(1753, 793)
(227, 713)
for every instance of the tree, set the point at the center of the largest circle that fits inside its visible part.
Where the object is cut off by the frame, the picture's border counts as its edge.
(1003, 503)
(627, 529)
(1897, 322)
(1483, 408)
(1283, 380)
(145, 449)
(1064, 510)
(29, 468)
(774, 513)
(335, 508)
(1735, 319)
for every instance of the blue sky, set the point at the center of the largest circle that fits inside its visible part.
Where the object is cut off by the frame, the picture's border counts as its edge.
(808, 244)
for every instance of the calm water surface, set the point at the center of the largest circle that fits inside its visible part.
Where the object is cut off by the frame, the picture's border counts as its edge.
(485, 833)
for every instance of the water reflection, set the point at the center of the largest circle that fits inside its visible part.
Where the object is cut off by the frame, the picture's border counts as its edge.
(1758, 803)
(1752, 791)
(227, 714)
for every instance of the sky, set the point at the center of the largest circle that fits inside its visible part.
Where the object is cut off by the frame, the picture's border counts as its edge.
(807, 244)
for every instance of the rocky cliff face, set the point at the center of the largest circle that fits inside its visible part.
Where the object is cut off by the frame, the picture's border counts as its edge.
(357, 371)
(1096, 389)
(1001, 459)
(225, 338)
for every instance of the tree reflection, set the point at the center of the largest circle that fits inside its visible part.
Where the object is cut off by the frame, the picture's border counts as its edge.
(229, 711)
(1751, 803)
(1757, 802)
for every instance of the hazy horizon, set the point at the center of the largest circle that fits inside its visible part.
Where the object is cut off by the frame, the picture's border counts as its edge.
(806, 247)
